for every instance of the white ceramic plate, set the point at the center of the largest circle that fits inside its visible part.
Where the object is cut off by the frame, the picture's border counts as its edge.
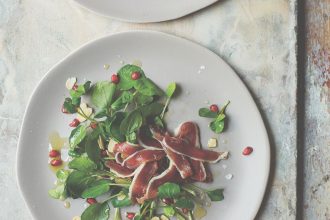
(145, 10)
(203, 77)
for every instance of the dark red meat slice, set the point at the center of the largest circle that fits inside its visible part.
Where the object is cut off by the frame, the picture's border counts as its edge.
(143, 156)
(119, 170)
(148, 142)
(183, 147)
(141, 180)
(169, 175)
(126, 148)
(180, 162)
(189, 131)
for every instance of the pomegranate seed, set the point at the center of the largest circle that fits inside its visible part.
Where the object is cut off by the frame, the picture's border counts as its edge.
(247, 151)
(185, 210)
(130, 215)
(214, 108)
(135, 75)
(56, 162)
(74, 123)
(167, 201)
(91, 201)
(104, 153)
(114, 78)
(75, 87)
(54, 153)
(64, 110)
(93, 125)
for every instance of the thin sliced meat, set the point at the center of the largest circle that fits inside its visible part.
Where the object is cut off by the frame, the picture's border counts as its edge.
(143, 156)
(148, 142)
(169, 175)
(141, 180)
(126, 148)
(189, 131)
(209, 176)
(118, 158)
(119, 170)
(180, 162)
(180, 146)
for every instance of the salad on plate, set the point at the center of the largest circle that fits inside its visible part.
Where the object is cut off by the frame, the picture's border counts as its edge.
(120, 153)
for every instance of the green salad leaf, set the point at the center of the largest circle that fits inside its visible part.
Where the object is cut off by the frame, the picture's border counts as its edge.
(207, 113)
(170, 89)
(125, 98)
(215, 195)
(169, 211)
(147, 87)
(96, 189)
(81, 90)
(102, 94)
(82, 164)
(131, 123)
(121, 203)
(169, 190)
(77, 135)
(77, 182)
(97, 211)
(125, 80)
(184, 203)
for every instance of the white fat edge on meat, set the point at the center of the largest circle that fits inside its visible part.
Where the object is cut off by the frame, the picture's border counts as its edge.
(164, 173)
(118, 158)
(147, 146)
(121, 175)
(136, 172)
(181, 172)
(222, 155)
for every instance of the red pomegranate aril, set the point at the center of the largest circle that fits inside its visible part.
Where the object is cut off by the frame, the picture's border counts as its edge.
(135, 75)
(91, 201)
(104, 153)
(74, 123)
(93, 125)
(56, 162)
(54, 153)
(75, 87)
(130, 215)
(247, 151)
(64, 110)
(214, 108)
(185, 210)
(167, 201)
(115, 78)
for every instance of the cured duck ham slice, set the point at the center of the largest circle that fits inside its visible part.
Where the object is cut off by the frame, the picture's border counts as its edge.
(118, 158)
(126, 148)
(189, 131)
(180, 162)
(149, 143)
(141, 180)
(118, 169)
(183, 147)
(142, 156)
(169, 175)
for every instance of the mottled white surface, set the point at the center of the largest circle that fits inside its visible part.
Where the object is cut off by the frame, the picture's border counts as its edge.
(256, 37)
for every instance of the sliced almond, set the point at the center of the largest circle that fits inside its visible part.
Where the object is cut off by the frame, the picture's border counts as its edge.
(83, 111)
(70, 82)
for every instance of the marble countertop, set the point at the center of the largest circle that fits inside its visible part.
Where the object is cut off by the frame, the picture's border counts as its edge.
(256, 37)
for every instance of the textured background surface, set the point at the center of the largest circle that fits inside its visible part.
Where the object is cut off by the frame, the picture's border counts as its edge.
(317, 123)
(256, 37)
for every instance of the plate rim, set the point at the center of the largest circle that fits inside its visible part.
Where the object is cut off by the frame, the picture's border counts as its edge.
(141, 21)
(95, 41)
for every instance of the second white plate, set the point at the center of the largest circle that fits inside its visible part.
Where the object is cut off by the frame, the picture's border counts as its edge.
(142, 11)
